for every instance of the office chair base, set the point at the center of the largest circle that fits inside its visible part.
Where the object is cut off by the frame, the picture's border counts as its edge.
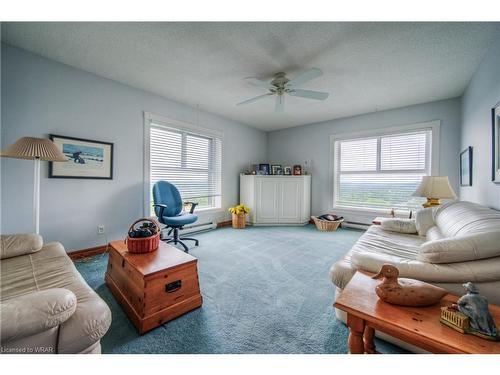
(176, 239)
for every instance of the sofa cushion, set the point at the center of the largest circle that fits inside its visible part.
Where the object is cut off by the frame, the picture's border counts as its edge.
(461, 248)
(459, 218)
(424, 219)
(52, 268)
(13, 245)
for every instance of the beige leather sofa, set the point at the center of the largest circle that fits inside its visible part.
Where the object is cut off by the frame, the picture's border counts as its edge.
(446, 245)
(45, 304)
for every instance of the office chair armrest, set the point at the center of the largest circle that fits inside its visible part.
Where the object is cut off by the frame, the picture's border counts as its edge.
(162, 208)
(193, 205)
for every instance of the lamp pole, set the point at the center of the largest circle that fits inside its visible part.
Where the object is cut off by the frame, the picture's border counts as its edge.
(36, 196)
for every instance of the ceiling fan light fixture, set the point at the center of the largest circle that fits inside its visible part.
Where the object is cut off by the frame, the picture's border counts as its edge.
(281, 85)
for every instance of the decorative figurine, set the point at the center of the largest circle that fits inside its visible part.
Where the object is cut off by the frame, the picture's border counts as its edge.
(405, 292)
(471, 315)
(475, 307)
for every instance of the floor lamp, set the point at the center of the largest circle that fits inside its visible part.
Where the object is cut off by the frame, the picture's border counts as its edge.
(36, 149)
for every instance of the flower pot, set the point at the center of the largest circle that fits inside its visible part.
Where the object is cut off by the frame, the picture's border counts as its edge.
(239, 221)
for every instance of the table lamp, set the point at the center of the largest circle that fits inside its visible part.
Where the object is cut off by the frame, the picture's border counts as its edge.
(434, 188)
(36, 149)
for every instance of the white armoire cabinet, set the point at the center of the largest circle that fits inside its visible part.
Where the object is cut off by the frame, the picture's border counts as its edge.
(276, 200)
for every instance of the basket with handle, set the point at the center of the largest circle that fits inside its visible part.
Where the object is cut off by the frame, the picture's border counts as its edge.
(144, 244)
(326, 225)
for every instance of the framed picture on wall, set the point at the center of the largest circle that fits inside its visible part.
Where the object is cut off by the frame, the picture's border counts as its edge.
(466, 167)
(495, 115)
(86, 158)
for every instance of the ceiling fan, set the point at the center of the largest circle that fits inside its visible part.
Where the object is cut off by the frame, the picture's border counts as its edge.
(281, 85)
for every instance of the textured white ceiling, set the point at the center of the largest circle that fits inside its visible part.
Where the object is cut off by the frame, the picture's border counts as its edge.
(367, 66)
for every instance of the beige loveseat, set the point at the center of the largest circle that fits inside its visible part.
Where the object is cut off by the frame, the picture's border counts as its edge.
(45, 304)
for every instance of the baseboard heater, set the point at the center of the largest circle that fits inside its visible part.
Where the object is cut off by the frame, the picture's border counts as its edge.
(353, 224)
(197, 228)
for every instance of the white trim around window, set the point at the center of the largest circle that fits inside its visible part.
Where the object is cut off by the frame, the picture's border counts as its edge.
(364, 214)
(161, 121)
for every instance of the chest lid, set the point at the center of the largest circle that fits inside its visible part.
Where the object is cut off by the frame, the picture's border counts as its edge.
(164, 258)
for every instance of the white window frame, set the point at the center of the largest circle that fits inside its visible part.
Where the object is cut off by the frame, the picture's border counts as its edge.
(150, 118)
(434, 125)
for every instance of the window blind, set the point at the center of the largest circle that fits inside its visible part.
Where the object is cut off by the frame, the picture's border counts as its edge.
(382, 171)
(189, 160)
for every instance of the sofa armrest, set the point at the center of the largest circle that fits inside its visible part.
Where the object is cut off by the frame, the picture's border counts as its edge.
(399, 225)
(36, 312)
(12, 245)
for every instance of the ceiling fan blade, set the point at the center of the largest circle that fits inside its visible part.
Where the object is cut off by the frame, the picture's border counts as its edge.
(280, 104)
(309, 94)
(258, 82)
(248, 101)
(305, 76)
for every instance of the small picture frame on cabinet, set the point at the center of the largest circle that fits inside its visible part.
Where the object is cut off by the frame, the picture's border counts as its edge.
(287, 171)
(264, 169)
(276, 169)
(297, 170)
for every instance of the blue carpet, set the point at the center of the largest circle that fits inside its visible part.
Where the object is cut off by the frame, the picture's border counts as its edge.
(265, 290)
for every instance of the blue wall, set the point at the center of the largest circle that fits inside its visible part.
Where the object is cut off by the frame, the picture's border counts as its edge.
(481, 95)
(41, 96)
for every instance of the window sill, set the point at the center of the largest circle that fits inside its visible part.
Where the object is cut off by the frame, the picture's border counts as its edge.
(366, 215)
(370, 210)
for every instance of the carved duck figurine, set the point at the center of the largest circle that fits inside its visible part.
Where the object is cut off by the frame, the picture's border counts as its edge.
(405, 292)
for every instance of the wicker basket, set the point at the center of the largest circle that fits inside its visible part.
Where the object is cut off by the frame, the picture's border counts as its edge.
(327, 225)
(143, 245)
(239, 221)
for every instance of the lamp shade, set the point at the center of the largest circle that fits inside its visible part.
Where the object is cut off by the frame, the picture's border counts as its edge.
(34, 148)
(435, 187)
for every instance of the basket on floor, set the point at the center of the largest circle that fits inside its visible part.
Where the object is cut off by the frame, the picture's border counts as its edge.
(327, 225)
(144, 244)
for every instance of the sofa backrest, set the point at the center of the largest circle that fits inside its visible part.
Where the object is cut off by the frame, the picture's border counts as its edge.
(459, 218)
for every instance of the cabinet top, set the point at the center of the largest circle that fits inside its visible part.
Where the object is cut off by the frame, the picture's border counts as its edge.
(275, 175)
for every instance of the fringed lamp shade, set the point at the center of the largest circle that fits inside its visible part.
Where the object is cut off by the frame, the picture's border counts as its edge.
(34, 148)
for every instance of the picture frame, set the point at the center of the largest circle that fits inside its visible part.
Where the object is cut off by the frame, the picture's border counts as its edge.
(297, 170)
(495, 132)
(264, 169)
(255, 169)
(276, 169)
(287, 171)
(87, 159)
(466, 167)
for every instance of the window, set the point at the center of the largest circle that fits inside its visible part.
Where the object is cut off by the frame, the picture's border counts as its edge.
(188, 157)
(382, 171)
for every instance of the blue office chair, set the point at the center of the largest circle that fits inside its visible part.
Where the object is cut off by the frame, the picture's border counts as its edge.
(168, 208)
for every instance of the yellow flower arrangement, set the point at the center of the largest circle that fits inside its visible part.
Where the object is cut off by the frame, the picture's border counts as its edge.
(240, 209)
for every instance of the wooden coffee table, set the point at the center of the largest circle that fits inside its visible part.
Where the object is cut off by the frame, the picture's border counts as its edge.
(418, 326)
(153, 288)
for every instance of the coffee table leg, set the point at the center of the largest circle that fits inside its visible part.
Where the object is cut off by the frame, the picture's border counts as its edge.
(356, 330)
(368, 340)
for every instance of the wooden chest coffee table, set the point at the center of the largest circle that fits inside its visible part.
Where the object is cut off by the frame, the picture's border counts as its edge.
(418, 326)
(153, 288)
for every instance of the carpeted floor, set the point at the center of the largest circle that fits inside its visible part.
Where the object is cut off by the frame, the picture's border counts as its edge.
(265, 290)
